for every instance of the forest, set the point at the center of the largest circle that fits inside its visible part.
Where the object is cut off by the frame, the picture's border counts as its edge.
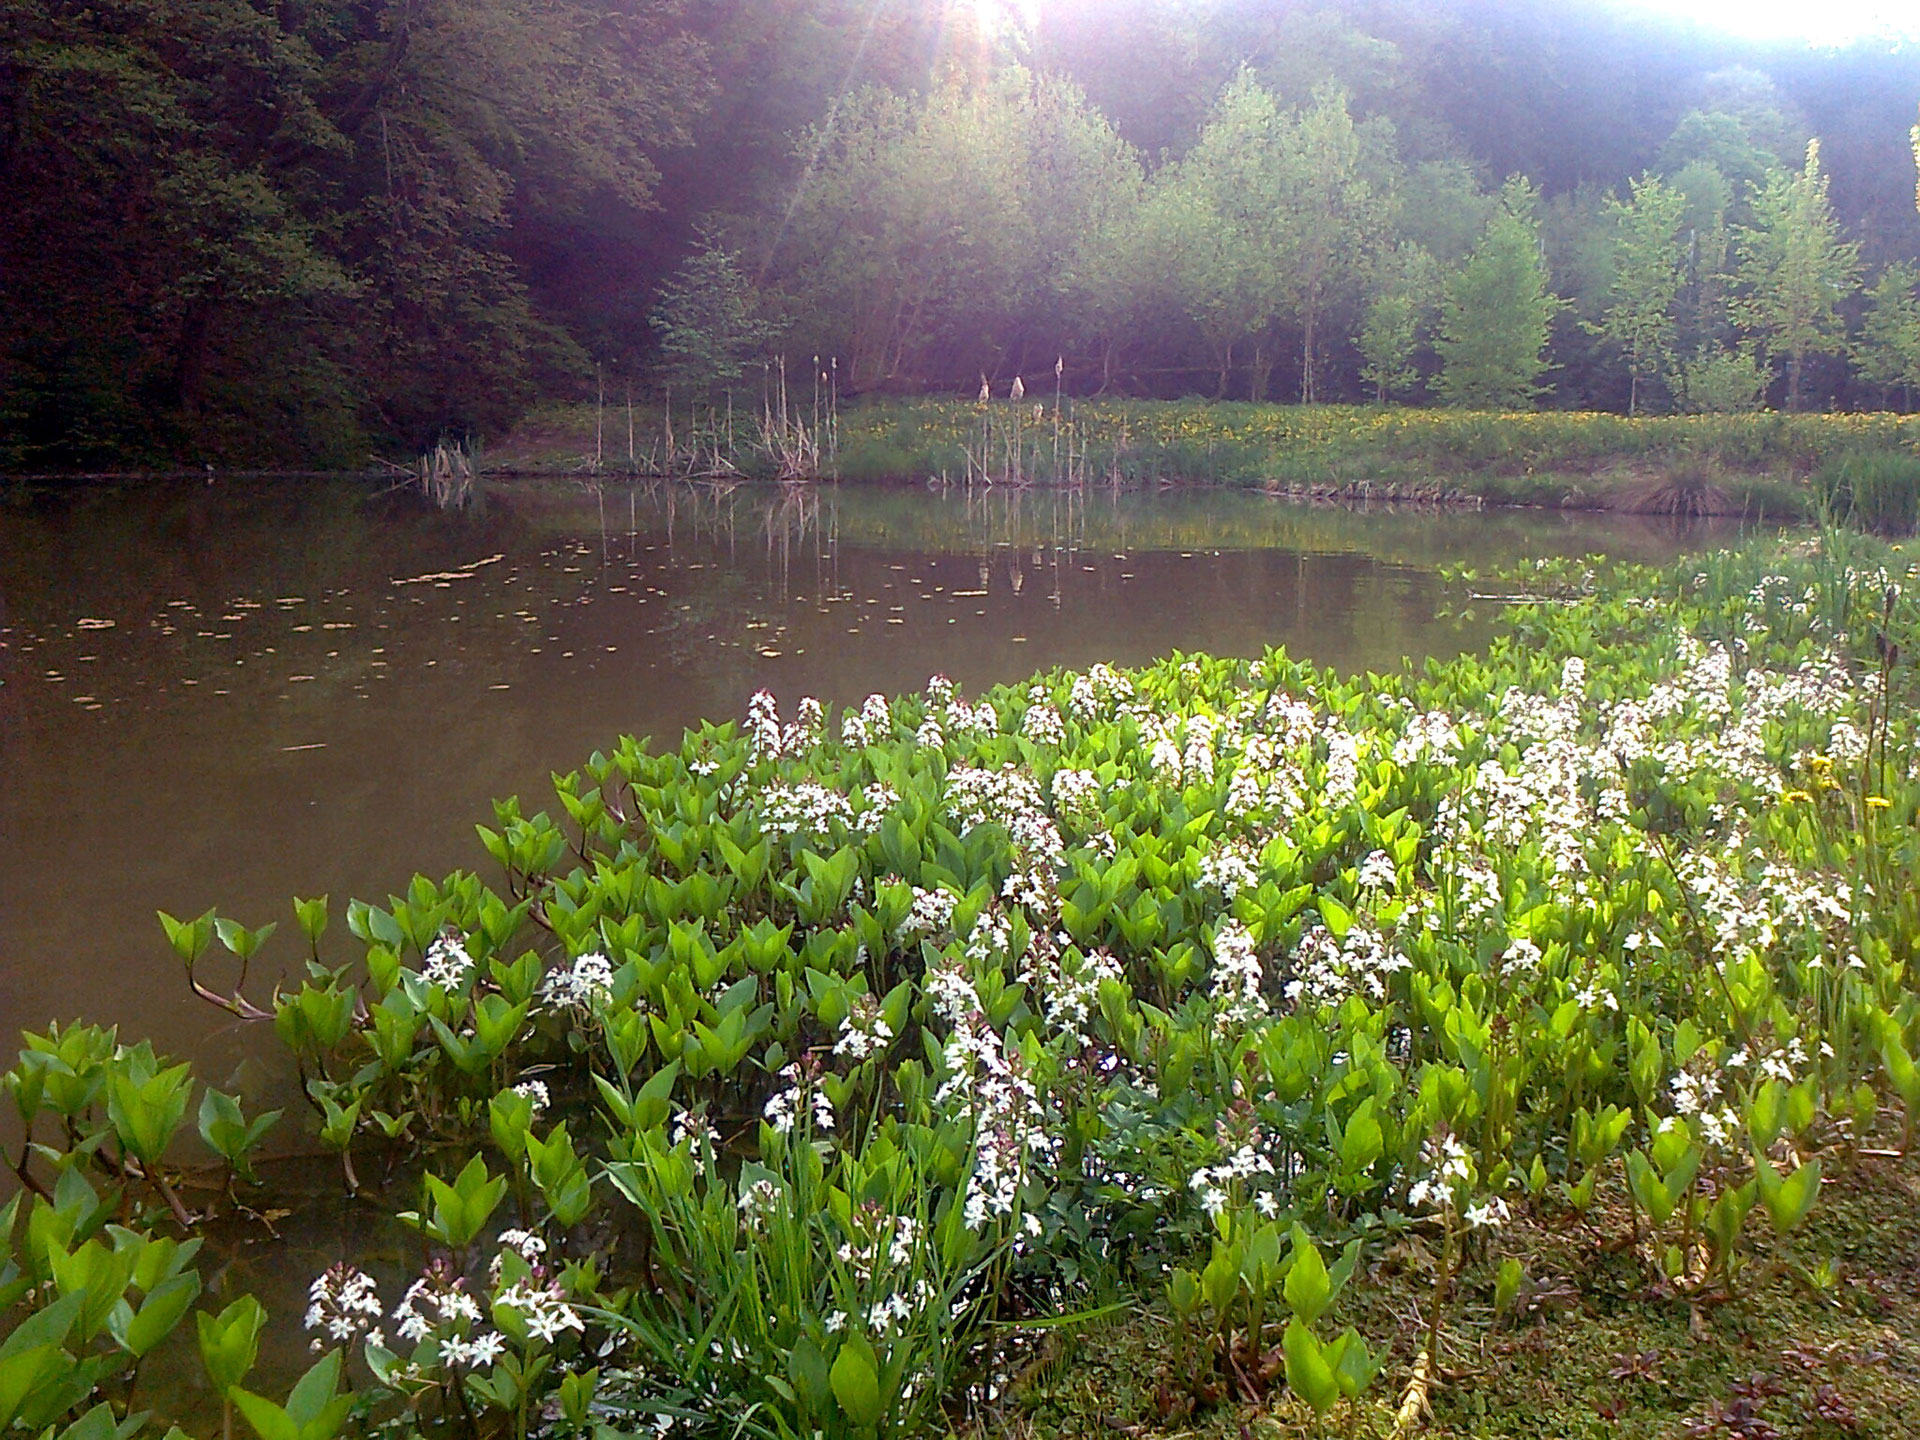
(302, 233)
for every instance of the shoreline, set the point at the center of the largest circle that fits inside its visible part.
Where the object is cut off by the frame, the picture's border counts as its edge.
(1753, 465)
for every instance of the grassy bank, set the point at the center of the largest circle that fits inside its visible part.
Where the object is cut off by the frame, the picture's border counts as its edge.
(1521, 1046)
(1724, 464)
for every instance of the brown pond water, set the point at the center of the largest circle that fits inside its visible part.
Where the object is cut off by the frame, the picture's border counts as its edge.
(232, 694)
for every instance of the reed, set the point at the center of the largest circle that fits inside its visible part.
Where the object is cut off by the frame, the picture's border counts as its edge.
(448, 474)
(1874, 490)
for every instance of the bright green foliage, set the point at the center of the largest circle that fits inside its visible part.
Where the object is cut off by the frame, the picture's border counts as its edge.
(708, 321)
(1650, 268)
(315, 1410)
(229, 1133)
(1794, 271)
(1728, 381)
(1495, 315)
(1271, 217)
(923, 220)
(457, 1213)
(1331, 221)
(1390, 331)
(1888, 348)
(230, 1342)
(1218, 212)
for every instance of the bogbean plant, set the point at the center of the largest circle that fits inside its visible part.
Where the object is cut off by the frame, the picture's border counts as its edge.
(784, 1061)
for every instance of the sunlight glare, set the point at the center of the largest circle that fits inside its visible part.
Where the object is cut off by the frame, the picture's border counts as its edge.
(995, 16)
(1833, 22)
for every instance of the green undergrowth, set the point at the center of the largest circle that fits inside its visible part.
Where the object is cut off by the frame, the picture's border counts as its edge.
(1220, 1044)
(1826, 1342)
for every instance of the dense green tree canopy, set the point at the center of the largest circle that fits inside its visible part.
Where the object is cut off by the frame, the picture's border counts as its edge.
(234, 230)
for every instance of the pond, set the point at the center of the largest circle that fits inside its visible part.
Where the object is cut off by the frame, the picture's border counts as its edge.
(231, 694)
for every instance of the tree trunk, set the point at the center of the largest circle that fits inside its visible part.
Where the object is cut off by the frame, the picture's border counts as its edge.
(1633, 393)
(1225, 357)
(1793, 383)
(1308, 396)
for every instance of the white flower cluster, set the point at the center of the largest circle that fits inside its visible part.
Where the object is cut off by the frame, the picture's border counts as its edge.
(1010, 797)
(1076, 799)
(988, 1084)
(1327, 970)
(759, 1202)
(437, 1306)
(881, 1245)
(1042, 723)
(878, 1234)
(990, 942)
(1487, 1214)
(948, 714)
(446, 963)
(1230, 868)
(543, 1307)
(1094, 695)
(1070, 991)
(692, 1129)
(1343, 766)
(524, 1243)
(1377, 872)
(864, 1031)
(1184, 752)
(1703, 720)
(1212, 1184)
(582, 987)
(769, 739)
(931, 914)
(1746, 916)
(1450, 1174)
(1431, 735)
(784, 1108)
(1785, 1063)
(343, 1303)
(1237, 976)
(965, 719)
(1266, 783)
(872, 722)
(1521, 957)
(802, 808)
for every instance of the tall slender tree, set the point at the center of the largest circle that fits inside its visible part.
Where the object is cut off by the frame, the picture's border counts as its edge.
(1794, 270)
(1650, 267)
(1221, 207)
(1330, 221)
(1399, 309)
(1496, 313)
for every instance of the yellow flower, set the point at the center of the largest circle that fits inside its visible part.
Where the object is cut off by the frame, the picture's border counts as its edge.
(1879, 802)
(1799, 796)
